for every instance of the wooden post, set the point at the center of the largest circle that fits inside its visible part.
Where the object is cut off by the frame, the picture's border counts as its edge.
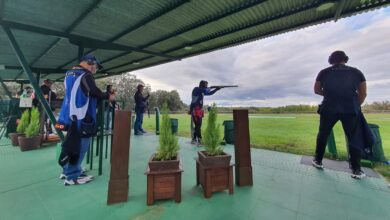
(118, 187)
(242, 150)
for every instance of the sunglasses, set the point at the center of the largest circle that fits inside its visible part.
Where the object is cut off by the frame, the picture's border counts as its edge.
(91, 63)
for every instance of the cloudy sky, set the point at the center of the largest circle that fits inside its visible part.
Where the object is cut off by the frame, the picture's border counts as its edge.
(281, 70)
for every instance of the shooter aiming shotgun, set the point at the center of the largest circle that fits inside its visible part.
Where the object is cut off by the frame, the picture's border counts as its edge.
(196, 107)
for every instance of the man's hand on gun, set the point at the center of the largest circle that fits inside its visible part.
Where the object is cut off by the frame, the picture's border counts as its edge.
(112, 97)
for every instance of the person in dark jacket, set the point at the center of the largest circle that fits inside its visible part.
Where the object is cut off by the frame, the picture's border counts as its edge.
(344, 90)
(109, 108)
(49, 96)
(140, 108)
(196, 108)
(79, 106)
(46, 89)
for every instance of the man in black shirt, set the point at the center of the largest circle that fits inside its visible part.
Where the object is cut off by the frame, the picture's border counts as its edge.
(344, 90)
(49, 96)
(140, 108)
(46, 89)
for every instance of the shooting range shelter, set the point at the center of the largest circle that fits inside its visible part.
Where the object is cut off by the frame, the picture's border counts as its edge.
(42, 39)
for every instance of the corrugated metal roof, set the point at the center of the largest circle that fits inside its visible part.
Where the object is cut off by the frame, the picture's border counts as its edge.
(130, 35)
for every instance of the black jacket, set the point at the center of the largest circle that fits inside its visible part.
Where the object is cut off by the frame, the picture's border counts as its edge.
(364, 139)
(140, 102)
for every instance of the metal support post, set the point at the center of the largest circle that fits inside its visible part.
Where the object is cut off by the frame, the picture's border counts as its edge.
(101, 136)
(38, 77)
(27, 70)
(157, 120)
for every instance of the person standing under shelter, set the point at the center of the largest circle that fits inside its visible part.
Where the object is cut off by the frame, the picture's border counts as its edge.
(196, 108)
(140, 108)
(78, 114)
(344, 90)
(49, 96)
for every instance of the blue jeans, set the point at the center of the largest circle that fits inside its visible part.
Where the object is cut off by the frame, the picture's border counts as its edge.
(138, 122)
(108, 119)
(73, 171)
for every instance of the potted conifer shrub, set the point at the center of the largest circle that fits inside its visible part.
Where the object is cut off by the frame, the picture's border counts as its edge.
(213, 169)
(164, 171)
(21, 128)
(33, 139)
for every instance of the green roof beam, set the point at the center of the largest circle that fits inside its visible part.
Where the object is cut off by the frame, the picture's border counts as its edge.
(76, 22)
(248, 38)
(136, 26)
(36, 69)
(33, 82)
(237, 9)
(85, 41)
(227, 32)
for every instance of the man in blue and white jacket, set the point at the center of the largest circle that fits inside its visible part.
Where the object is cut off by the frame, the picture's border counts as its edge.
(79, 106)
(196, 108)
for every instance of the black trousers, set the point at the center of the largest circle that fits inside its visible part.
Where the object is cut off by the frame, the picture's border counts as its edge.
(198, 125)
(350, 123)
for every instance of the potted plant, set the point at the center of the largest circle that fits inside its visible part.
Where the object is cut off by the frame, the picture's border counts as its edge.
(33, 139)
(21, 128)
(164, 171)
(213, 169)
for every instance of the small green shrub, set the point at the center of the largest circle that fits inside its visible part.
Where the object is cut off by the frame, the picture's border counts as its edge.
(33, 128)
(169, 145)
(23, 122)
(212, 136)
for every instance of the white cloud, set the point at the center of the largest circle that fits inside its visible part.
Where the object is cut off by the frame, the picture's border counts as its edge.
(281, 70)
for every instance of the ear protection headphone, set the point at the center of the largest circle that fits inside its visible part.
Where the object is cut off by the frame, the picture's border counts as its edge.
(338, 57)
(203, 83)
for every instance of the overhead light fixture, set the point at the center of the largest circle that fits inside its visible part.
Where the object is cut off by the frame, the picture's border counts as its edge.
(188, 48)
(2, 67)
(136, 63)
(326, 6)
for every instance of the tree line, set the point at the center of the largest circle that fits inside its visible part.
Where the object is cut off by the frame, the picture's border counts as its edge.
(126, 86)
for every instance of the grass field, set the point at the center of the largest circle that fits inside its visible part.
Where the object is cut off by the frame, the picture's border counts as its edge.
(293, 133)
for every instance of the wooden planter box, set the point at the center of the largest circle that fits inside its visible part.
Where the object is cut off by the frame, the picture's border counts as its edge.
(214, 176)
(14, 138)
(32, 143)
(163, 180)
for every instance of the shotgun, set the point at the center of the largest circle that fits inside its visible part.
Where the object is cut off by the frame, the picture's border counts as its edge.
(221, 87)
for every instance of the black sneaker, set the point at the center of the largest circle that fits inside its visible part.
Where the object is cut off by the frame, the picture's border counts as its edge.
(317, 164)
(193, 141)
(358, 174)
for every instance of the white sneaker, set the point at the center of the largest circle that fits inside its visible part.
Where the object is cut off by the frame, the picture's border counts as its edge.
(79, 181)
(83, 175)
(62, 176)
